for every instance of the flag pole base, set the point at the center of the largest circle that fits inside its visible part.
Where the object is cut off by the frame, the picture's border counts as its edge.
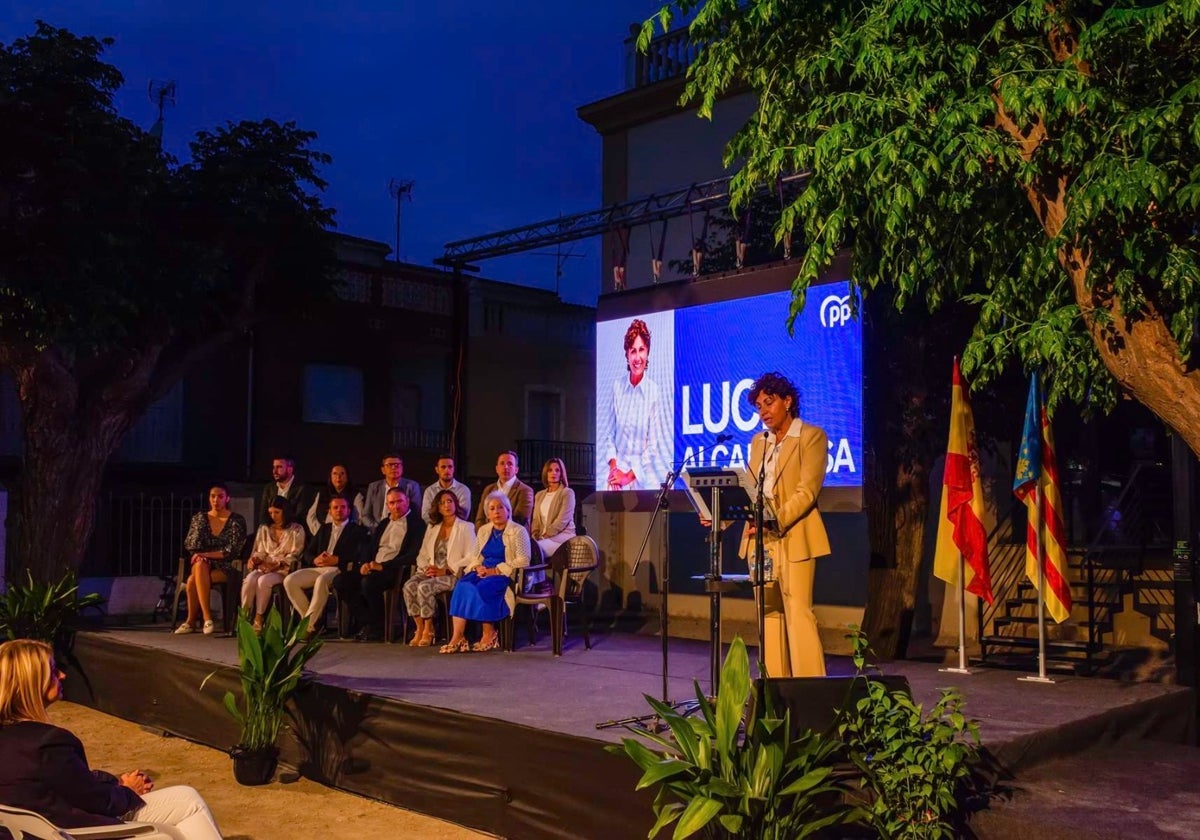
(1046, 680)
(955, 671)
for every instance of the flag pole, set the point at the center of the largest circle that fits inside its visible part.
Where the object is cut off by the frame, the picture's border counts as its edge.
(962, 620)
(1041, 586)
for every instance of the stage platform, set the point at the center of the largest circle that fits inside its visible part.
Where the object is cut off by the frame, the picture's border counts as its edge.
(507, 744)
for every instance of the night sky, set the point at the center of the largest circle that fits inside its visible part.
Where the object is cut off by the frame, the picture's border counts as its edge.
(475, 101)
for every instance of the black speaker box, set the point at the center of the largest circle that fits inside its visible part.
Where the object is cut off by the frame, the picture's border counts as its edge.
(814, 702)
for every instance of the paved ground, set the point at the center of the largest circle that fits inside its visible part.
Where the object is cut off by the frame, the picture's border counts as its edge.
(273, 812)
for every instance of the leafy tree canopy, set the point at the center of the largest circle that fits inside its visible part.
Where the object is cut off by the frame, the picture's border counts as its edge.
(110, 245)
(1038, 159)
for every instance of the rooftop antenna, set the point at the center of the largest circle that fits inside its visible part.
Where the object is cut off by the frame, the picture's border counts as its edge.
(161, 94)
(400, 189)
(560, 261)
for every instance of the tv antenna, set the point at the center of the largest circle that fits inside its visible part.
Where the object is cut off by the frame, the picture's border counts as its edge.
(161, 94)
(400, 189)
(560, 261)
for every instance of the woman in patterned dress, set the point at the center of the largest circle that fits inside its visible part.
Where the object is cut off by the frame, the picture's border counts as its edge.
(214, 539)
(448, 543)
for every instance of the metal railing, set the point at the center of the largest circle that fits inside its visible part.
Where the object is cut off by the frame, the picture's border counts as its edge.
(580, 459)
(140, 533)
(409, 438)
(667, 56)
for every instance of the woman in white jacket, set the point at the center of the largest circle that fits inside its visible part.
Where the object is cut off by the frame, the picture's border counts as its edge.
(485, 592)
(444, 552)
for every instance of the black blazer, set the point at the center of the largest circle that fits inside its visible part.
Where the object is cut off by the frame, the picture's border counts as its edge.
(299, 497)
(409, 549)
(43, 768)
(351, 545)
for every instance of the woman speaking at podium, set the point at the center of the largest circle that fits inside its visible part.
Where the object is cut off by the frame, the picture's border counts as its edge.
(790, 456)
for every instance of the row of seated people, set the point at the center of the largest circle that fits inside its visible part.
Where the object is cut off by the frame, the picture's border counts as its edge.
(442, 548)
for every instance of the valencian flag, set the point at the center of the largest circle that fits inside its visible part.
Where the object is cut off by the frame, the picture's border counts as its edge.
(1037, 475)
(960, 521)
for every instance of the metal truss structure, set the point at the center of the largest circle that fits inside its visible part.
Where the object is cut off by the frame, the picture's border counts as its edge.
(704, 196)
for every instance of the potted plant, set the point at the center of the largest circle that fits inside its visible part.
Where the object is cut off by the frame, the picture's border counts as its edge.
(45, 611)
(271, 666)
(725, 774)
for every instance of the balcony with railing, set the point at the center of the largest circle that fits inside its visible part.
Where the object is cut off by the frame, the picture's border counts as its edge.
(667, 57)
(579, 458)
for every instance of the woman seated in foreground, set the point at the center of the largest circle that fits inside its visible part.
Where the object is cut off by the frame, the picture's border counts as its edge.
(484, 594)
(277, 549)
(553, 516)
(43, 768)
(214, 540)
(444, 552)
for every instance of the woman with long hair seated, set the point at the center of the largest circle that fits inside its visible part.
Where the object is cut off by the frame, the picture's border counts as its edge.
(43, 768)
(484, 594)
(277, 547)
(448, 543)
(214, 540)
(553, 512)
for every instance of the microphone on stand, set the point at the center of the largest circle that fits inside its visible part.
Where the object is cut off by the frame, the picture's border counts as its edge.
(724, 438)
(760, 578)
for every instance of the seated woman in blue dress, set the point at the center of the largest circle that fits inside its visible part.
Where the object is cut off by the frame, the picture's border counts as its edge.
(485, 593)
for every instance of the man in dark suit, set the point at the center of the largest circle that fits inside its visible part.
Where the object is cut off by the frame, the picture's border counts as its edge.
(284, 483)
(520, 494)
(373, 510)
(337, 548)
(391, 552)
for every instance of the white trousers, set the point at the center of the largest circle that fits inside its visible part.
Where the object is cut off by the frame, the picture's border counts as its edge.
(256, 590)
(179, 812)
(319, 580)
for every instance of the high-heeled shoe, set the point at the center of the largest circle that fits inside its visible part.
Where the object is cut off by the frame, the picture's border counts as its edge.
(491, 644)
(415, 640)
(462, 646)
(426, 640)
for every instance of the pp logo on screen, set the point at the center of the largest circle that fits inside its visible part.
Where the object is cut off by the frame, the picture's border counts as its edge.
(835, 311)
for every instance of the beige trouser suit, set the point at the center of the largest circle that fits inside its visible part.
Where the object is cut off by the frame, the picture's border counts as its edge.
(792, 643)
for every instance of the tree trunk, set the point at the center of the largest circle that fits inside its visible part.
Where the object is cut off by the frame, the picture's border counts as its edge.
(892, 580)
(68, 441)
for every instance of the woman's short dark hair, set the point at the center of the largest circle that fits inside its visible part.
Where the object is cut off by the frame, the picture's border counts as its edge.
(435, 518)
(775, 384)
(284, 505)
(637, 329)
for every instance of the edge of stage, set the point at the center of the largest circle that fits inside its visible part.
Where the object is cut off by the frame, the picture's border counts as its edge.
(507, 744)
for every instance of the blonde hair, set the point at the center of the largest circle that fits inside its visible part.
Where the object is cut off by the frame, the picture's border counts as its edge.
(25, 673)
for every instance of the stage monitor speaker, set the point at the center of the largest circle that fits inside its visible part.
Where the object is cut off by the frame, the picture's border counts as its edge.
(814, 702)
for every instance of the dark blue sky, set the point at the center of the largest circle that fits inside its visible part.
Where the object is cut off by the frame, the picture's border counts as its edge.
(473, 100)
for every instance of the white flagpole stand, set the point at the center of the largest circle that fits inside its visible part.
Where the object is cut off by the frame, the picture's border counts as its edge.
(962, 620)
(1041, 605)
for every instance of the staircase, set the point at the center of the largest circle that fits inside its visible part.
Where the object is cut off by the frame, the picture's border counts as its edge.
(1122, 559)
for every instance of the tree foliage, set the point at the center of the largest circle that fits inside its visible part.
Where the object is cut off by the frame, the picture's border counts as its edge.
(1037, 159)
(120, 267)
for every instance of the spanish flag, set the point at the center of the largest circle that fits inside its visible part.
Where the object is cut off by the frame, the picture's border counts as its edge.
(960, 521)
(1037, 476)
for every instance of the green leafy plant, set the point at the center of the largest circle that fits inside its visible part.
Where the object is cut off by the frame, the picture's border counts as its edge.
(271, 665)
(721, 774)
(915, 766)
(46, 611)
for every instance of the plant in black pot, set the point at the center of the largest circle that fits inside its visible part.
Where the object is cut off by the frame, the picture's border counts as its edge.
(271, 667)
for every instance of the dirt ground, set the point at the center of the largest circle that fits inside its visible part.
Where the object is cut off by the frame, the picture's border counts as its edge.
(272, 812)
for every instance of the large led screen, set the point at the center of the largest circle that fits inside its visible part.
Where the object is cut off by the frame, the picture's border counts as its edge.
(690, 408)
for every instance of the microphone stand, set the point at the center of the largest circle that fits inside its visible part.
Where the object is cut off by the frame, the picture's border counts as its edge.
(760, 571)
(663, 503)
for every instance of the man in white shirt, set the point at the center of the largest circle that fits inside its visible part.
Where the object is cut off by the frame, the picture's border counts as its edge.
(337, 547)
(391, 552)
(519, 493)
(444, 468)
